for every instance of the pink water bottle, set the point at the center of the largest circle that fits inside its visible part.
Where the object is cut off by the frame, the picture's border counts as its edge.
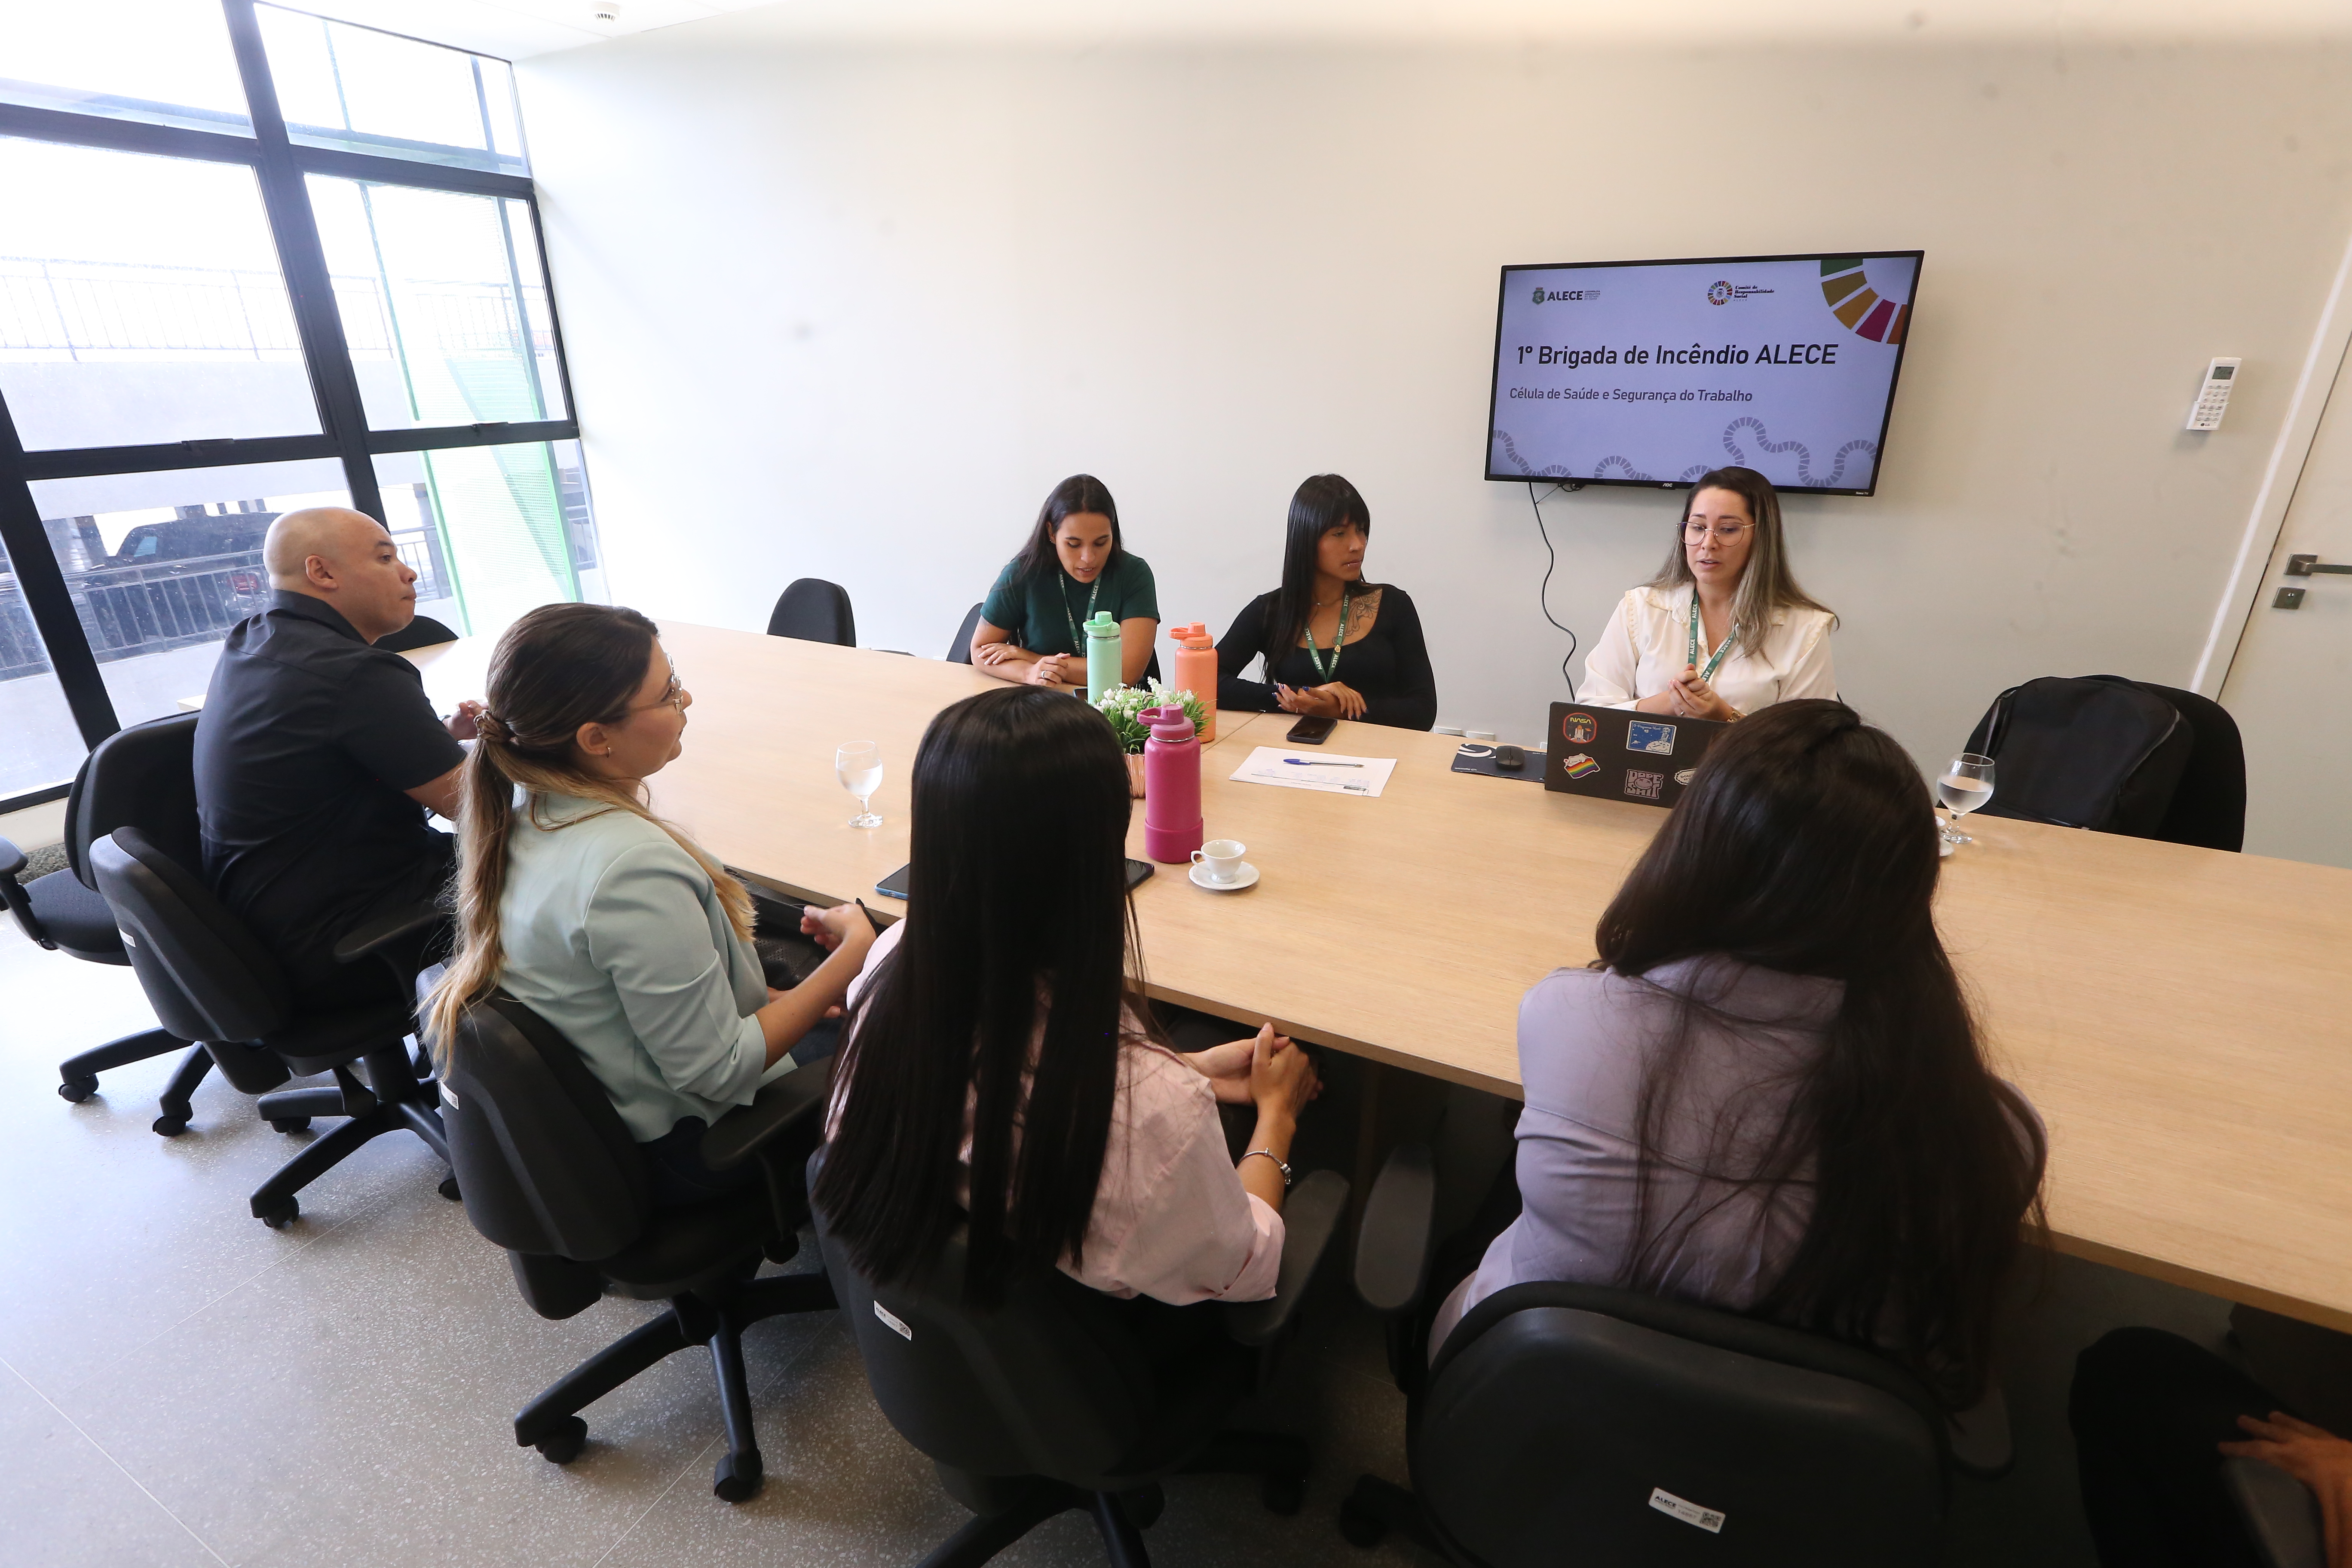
(1171, 786)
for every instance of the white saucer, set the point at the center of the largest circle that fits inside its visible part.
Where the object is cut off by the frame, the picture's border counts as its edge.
(1943, 847)
(1248, 879)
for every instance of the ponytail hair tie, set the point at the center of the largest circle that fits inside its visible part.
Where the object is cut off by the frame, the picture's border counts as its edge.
(489, 727)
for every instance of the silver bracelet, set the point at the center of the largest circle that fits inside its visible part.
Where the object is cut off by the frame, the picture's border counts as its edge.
(1279, 1164)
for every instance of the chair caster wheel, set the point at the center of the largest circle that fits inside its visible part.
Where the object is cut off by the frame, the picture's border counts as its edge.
(169, 1126)
(279, 1216)
(563, 1444)
(738, 1476)
(1281, 1494)
(74, 1091)
(449, 1189)
(289, 1124)
(1359, 1526)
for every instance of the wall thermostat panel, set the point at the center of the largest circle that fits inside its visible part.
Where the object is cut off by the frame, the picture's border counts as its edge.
(2213, 396)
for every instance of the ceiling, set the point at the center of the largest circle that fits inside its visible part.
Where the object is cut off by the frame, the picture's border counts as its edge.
(518, 29)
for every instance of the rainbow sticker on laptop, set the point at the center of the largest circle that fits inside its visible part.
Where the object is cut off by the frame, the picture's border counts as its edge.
(1580, 766)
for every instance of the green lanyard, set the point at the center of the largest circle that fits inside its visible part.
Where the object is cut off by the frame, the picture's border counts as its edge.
(1338, 647)
(1077, 643)
(1714, 663)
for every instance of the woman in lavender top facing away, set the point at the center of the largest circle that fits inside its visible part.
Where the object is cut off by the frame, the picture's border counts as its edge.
(1768, 1094)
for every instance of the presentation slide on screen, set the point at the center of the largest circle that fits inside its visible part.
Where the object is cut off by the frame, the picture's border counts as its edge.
(1658, 371)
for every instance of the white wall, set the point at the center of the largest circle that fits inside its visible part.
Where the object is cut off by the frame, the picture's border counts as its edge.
(849, 311)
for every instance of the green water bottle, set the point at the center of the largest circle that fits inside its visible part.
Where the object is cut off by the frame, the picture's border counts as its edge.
(1102, 655)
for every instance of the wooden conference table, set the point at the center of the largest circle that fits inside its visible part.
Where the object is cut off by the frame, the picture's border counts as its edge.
(2176, 1015)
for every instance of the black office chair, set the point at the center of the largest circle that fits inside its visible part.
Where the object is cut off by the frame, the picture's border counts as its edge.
(1048, 1402)
(1623, 1428)
(422, 632)
(140, 777)
(210, 980)
(2103, 751)
(815, 610)
(960, 651)
(550, 1172)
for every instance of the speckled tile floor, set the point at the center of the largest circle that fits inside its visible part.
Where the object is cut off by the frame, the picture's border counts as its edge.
(180, 1386)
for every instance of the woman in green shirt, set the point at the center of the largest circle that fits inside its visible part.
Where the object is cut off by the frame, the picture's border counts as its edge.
(1073, 566)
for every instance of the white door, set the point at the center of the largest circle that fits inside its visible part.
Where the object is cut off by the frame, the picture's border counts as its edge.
(2290, 686)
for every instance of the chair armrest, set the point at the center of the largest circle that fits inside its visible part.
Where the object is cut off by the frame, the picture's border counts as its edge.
(1310, 1219)
(363, 940)
(2279, 1513)
(1397, 1234)
(738, 1135)
(13, 894)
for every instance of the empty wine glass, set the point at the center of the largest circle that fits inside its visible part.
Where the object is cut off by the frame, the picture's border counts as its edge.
(1966, 784)
(858, 765)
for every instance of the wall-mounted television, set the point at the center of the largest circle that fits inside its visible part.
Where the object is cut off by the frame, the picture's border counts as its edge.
(1651, 373)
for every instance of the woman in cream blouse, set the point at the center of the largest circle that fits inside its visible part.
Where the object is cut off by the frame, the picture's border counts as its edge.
(1758, 638)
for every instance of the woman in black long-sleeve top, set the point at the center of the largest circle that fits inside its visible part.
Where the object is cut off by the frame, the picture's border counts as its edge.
(1325, 617)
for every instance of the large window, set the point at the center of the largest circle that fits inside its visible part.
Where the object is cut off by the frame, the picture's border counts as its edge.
(253, 260)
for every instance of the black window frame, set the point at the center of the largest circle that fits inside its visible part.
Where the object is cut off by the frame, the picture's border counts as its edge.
(280, 167)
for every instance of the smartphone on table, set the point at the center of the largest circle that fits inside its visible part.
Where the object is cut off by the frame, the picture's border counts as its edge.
(1311, 732)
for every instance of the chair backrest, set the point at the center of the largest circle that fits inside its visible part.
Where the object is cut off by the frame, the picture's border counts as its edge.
(143, 777)
(2208, 806)
(422, 632)
(2095, 750)
(960, 651)
(1052, 1382)
(546, 1164)
(205, 975)
(1627, 1429)
(815, 610)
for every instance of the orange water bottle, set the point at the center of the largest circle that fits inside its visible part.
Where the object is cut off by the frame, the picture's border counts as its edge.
(1195, 670)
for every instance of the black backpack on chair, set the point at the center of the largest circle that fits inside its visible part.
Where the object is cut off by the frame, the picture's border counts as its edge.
(2095, 750)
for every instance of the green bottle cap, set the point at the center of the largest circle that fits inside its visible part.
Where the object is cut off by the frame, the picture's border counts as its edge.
(1100, 625)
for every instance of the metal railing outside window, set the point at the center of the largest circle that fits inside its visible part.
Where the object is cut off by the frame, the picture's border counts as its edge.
(405, 343)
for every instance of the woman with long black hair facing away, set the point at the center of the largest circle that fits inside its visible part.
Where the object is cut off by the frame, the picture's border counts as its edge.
(1075, 564)
(1001, 1069)
(1324, 615)
(613, 926)
(1767, 1093)
(1723, 629)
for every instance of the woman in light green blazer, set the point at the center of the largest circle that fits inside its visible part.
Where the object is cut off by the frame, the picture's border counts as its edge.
(613, 925)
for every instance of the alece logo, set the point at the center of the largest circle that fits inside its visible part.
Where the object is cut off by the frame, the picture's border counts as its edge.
(1538, 296)
(1542, 295)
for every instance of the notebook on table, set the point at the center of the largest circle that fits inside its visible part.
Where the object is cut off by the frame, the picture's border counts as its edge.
(1619, 754)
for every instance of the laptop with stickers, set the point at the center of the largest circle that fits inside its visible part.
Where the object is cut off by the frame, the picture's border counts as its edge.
(1618, 753)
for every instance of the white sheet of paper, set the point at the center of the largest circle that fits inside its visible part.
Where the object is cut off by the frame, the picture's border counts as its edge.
(1331, 774)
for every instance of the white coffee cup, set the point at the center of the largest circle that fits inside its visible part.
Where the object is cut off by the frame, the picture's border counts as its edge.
(1223, 858)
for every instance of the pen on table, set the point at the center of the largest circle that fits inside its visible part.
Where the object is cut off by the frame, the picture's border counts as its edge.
(1311, 763)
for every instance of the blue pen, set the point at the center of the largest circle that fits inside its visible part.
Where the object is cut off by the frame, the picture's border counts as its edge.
(1310, 763)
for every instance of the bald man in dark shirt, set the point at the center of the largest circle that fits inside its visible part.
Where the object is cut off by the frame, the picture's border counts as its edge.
(318, 757)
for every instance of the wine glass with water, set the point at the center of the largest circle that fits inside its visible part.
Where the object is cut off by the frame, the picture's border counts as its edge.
(858, 765)
(1965, 783)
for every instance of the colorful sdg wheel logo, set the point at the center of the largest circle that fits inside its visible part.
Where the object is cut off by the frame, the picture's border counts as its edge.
(1718, 292)
(1862, 308)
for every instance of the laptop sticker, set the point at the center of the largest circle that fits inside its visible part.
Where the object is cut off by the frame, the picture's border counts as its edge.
(1581, 766)
(1685, 776)
(1578, 728)
(1656, 740)
(1643, 785)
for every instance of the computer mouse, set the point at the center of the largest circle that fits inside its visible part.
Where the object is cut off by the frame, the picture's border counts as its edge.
(1510, 759)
